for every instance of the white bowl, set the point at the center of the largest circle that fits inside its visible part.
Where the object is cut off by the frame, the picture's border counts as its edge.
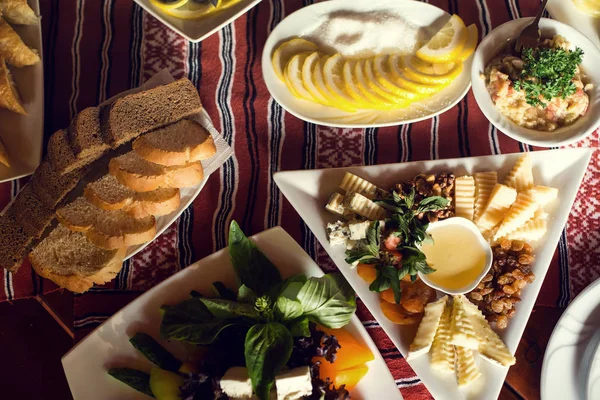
(485, 246)
(489, 48)
(197, 30)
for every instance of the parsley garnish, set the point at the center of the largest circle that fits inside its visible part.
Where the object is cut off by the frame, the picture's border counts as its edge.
(548, 73)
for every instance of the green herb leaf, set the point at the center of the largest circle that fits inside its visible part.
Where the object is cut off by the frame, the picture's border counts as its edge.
(222, 309)
(432, 203)
(288, 309)
(222, 291)
(299, 327)
(138, 380)
(246, 295)
(251, 266)
(380, 284)
(369, 253)
(328, 300)
(267, 349)
(154, 352)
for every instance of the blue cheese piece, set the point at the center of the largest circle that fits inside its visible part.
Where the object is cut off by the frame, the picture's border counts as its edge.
(294, 384)
(358, 229)
(338, 233)
(336, 204)
(236, 383)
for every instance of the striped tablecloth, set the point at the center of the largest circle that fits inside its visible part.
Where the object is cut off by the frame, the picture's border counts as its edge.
(96, 49)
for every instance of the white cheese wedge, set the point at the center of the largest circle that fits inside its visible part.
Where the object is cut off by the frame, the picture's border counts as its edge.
(530, 232)
(236, 383)
(499, 202)
(427, 329)
(484, 184)
(442, 352)
(461, 329)
(353, 183)
(294, 384)
(363, 206)
(543, 194)
(520, 176)
(464, 197)
(336, 204)
(358, 229)
(466, 369)
(540, 214)
(521, 211)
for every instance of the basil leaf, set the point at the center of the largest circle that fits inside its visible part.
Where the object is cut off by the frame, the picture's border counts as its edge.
(267, 349)
(409, 199)
(290, 287)
(390, 205)
(362, 256)
(299, 327)
(246, 295)
(432, 203)
(423, 267)
(222, 309)
(222, 291)
(288, 309)
(154, 352)
(138, 380)
(251, 266)
(326, 303)
(380, 284)
(373, 237)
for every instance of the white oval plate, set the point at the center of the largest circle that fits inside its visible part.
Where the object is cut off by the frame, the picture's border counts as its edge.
(108, 345)
(566, 12)
(424, 16)
(571, 368)
(489, 48)
(308, 192)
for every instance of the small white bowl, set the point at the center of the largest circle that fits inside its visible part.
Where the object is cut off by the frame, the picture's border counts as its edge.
(485, 246)
(489, 48)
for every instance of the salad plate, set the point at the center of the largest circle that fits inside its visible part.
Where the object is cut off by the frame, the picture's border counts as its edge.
(309, 192)
(108, 346)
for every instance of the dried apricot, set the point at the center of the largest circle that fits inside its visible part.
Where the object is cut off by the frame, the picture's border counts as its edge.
(397, 314)
(367, 272)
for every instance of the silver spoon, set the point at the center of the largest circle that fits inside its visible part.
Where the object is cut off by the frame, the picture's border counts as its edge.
(530, 35)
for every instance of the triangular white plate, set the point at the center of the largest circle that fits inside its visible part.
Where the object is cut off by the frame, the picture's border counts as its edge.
(309, 191)
(108, 346)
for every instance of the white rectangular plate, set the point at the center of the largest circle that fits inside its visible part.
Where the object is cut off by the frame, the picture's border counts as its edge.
(198, 30)
(23, 135)
(108, 346)
(309, 191)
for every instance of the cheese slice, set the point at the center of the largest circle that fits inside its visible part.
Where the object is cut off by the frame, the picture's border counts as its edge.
(491, 347)
(461, 329)
(442, 352)
(521, 211)
(530, 232)
(520, 176)
(363, 206)
(427, 328)
(484, 184)
(464, 197)
(543, 194)
(336, 204)
(353, 183)
(540, 214)
(466, 369)
(500, 201)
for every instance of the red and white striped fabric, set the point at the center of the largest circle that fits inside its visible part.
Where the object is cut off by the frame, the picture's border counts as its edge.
(96, 49)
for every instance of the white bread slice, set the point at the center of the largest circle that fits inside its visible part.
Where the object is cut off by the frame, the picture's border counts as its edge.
(181, 143)
(108, 193)
(68, 259)
(106, 229)
(144, 176)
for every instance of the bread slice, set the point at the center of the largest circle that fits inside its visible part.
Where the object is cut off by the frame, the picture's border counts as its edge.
(177, 144)
(106, 229)
(138, 113)
(50, 186)
(68, 259)
(110, 194)
(144, 176)
(61, 154)
(85, 135)
(9, 96)
(31, 213)
(14, 243)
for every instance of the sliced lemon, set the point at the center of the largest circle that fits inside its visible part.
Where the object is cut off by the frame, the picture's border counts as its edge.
(379, 89)
(351, 87)
(331, 97)
(471, 43)
(399, 72)
(309, 68)
(447, 44)
(167, 5)
(286, 50)
(334, 80)
(433, 74)
(293, 76)
(194, 10)
(376, 100)
(389, 75)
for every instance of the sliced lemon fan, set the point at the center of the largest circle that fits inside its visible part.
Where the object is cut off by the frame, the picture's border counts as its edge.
(471, 43)
(334, 81)
(374, 98)
(287, 50)
(352, 88)
(374, 84)
(447, 44)
(168, 5)
(435, 74)
(309, 69)
(391, 81)
(423, 89)
(293, 76)
(191, 9)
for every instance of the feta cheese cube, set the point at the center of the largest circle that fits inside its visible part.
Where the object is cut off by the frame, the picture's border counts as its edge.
(236, 383)
(358, 229)
(294, 384)
(338, 233)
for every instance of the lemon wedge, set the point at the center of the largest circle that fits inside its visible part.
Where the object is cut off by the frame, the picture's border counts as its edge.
(375, 100)
(293, 76)
(433, 74)
(334, 80)
(309, 69)
(471, 43)
(447, 44)
(286, 50)
(168, 5)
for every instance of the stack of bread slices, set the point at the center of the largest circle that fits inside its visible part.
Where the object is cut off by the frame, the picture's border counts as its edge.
(152, 150)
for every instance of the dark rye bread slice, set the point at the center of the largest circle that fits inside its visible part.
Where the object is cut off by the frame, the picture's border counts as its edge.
(106, 229)
(14, 243)
(176, 144)
(50, 186)
(85, 135)
(61, 154)
(31, 213)
(69, 259)
(138, 113)
(110, 194)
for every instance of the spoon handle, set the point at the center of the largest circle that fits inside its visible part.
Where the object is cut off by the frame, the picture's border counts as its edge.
(540, 12)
